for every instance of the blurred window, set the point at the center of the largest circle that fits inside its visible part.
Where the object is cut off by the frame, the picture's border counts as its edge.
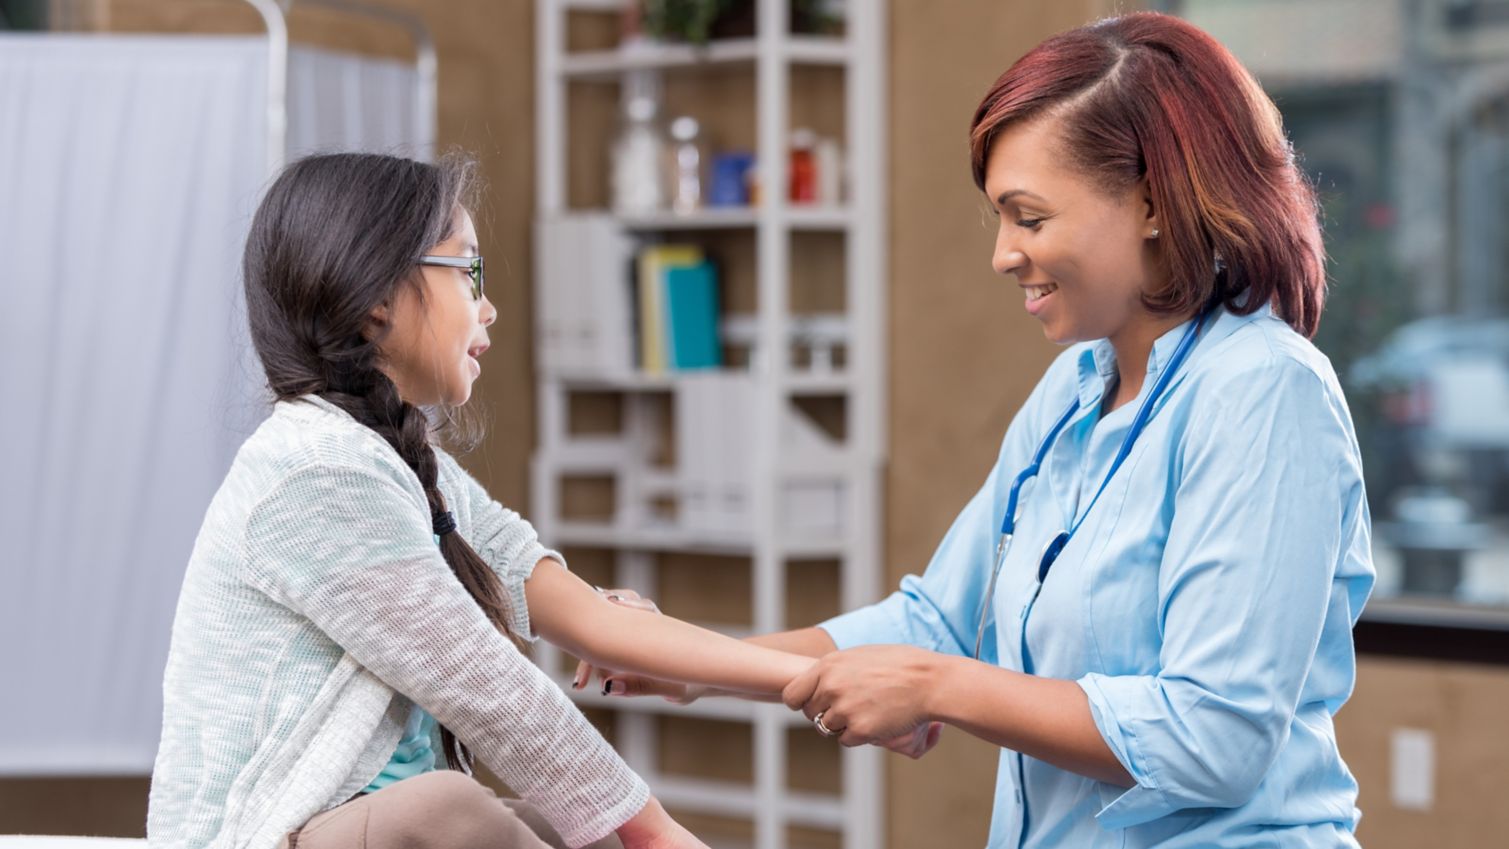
(1399, 112)
(23, 14)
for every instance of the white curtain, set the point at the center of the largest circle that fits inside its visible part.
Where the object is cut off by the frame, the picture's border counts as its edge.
(129, 171)
(337, 101)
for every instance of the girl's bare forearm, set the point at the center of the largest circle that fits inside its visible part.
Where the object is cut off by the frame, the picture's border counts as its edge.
(569, 613)
(811, 642)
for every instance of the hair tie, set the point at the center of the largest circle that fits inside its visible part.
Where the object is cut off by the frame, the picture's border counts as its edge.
(444, 523)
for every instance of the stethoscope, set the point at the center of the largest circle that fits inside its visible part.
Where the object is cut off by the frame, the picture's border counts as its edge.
(1061, 539)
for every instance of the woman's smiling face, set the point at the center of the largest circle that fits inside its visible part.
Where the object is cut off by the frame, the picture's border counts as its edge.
(1082, 253)
(430, 351)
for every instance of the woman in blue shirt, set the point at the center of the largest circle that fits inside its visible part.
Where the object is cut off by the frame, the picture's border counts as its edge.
(1168, 635)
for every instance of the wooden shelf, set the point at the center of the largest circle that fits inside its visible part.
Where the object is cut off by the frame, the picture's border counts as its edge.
(797, 383)
(590, 535)
(609, 65)
(819, 383)
(796, 217)
(812, 480)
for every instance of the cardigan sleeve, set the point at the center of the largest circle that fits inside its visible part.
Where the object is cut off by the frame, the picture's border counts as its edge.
(351, 550)
(504, 540)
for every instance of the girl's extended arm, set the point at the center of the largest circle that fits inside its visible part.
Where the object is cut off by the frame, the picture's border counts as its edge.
(571, 614)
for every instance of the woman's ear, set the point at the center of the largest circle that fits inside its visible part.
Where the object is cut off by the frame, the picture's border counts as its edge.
(1150, 226)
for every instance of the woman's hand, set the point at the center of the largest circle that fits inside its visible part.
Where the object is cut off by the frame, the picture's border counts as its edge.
(919, 742)
(871, 694)
(653, 828)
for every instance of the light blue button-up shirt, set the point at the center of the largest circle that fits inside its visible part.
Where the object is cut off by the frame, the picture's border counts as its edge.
(1205, 606)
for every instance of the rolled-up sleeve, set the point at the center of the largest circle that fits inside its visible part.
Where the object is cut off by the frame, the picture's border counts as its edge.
(936, 610)
(1266, 480)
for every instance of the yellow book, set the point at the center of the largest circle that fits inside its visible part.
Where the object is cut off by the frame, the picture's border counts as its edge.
(653, 262)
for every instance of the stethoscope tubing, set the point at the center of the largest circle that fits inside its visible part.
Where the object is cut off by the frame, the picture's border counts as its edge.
(1057, 543)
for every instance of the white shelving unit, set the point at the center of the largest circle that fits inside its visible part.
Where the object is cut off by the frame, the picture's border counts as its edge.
(768, 456)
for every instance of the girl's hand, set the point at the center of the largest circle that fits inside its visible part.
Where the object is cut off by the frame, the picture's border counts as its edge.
(653, 828)
(627, 598)
(634, 685)
(615, 684)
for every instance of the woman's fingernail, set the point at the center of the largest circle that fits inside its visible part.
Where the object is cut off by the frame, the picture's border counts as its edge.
(612, 688)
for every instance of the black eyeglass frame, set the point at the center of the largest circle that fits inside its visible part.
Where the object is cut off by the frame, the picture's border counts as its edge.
(472, 265)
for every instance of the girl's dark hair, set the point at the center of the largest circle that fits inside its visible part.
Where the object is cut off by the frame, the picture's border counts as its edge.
(335, 237)
(1149, 95)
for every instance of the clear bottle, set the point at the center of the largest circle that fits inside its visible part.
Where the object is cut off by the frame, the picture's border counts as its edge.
(638, 155)
(686, 165)
(828, 158)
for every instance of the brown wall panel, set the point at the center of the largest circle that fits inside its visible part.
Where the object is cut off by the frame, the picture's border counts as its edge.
(1462, 707)
(963, 352)
(111, 806)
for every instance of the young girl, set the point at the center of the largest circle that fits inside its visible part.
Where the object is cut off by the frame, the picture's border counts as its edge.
(349, 627)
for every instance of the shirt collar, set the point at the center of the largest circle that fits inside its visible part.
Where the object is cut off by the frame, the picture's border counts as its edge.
(1097, 362)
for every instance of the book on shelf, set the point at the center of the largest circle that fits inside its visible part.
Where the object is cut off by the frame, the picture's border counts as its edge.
(655, 261)
(610, 307)
(691, 317)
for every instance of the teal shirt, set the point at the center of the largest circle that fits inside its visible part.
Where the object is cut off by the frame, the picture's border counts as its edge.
(414, 755)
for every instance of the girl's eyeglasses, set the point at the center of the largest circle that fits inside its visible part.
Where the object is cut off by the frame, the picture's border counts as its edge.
(472, 265)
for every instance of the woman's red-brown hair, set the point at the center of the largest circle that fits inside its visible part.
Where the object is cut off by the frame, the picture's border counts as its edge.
(1150, 95)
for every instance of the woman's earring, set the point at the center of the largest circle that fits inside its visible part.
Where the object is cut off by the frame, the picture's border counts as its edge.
(1154, 234)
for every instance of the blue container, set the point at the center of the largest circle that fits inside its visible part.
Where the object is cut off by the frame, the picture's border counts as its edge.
(729, 187)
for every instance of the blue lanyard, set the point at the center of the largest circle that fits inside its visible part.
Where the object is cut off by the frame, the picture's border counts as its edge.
(1061, 539)
(1144, 414)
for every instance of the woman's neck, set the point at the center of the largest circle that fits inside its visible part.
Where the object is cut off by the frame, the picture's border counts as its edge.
(1133, 345)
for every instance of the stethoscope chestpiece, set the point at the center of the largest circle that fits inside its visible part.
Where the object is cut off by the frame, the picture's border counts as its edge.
(1050, 554)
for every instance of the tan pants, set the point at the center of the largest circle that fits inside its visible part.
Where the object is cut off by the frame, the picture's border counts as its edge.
(437, 810)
